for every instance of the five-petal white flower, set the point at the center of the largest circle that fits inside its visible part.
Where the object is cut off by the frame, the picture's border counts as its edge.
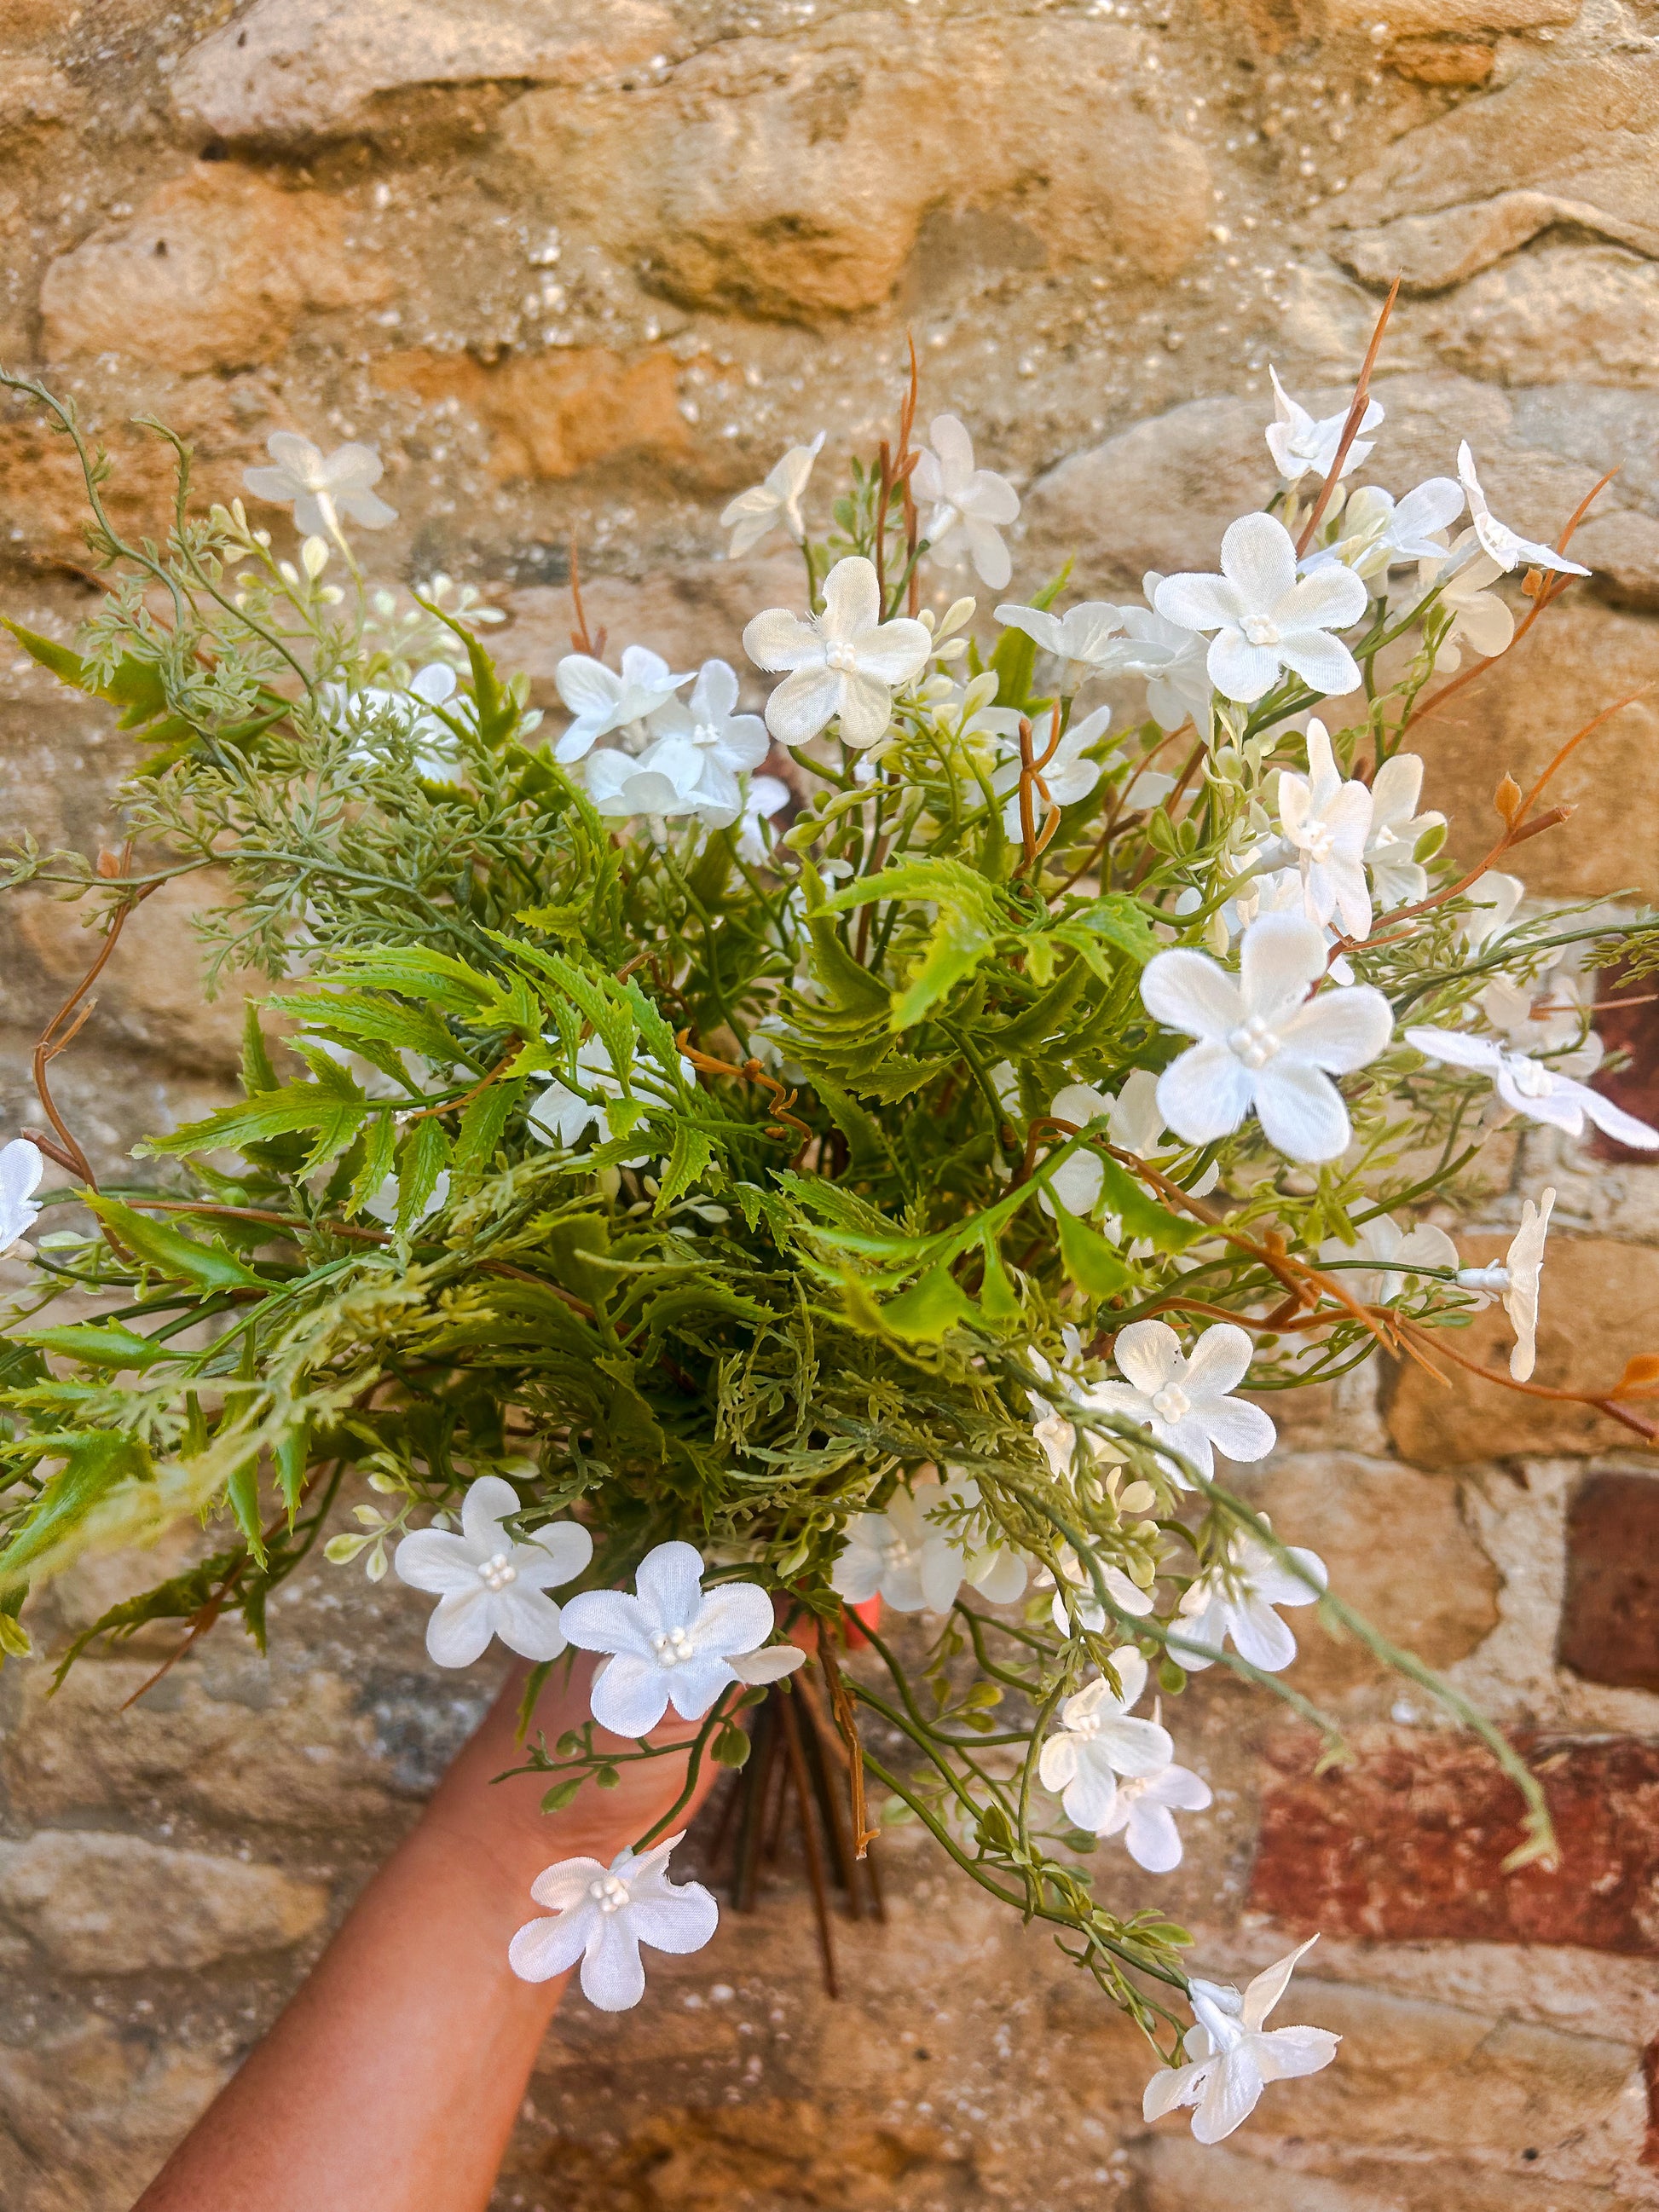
(1266, 618)
(1067, 776)
(1097, 1741)
(1479, 618)
(1379, 532)
(1184, 1399)
(1327, 822)
(601, 700)
(22, 1166)
(1236, 2055)
(774, 505)
(1528, 1087)
(845, 662)
(1262, 1041)
(673, 1643)
(1236, 1597)
(970, 506)
(1298, 442)
(902, 1555)
(1397, 829)
(725, 743)
(1397, 1253)
(321, 488)
(1501, 543)
(1082, 636)
(1515, 1281)
(1143, 1812)
(490, 1583)
(601, 1916)
(1174, 661)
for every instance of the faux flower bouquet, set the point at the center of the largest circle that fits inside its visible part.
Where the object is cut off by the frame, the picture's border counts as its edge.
(697, 1209)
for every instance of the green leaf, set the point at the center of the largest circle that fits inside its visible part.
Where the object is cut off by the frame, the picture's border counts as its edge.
(181, 1598)
(243, 1491)
(958, 943)
(379, 1149)
(897, 1077)
(1029, 1032)
(292, 1455)
(687, 1161)
(157, 1244)
(562, 1794)
(258, 1076)
(423, 974)
(929, 1309)
(1089, 1259)
(66, 665)
(423, 1158)
(105, 1344)
(479, 1131)
(96, 1460)
(1141, 1214)
(998, 1300)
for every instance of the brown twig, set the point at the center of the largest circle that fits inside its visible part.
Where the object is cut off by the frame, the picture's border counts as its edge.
(1350, 428)
(841, 1705)
(809, 1835)
(56, 1038)
(581, 641)
(752, 1072)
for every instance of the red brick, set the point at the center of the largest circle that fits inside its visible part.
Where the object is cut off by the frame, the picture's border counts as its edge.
(1407, 1845)
(1610, 1619)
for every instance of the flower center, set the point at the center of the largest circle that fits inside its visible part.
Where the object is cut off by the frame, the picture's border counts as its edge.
(898, 1552)
(609, 1893)
(1172, 1403)
(1254, 1043)
(706, 734)
(842, 659)
(673, 1646)
(1317, 841)
(1531, 1080)
(1086, 1725)
(1260, 629)
(497, 1571)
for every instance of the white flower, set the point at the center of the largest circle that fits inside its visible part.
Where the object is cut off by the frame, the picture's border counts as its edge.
(1397, 1255)
(1266, 618)
(766, 796)
(1135, 1121)
(971, 505)
(904, 1555)
(664, 781)
(1183, 1399)
(1515, 1279)
(1144, 1810)
(672, 1644)
(321, 489)
(1067, 777)
(774, 505)
(1299, 443)
(1498, 540)
(1527, 1087)
(22, 1166)
(601, 700)
(1397, 879)
(1237, 2056)
(1262, 1041)
(1380, 533)
(435, 685)
(1082, 635)
(559, 1115)
(1076, 1183)
(1236, 1597)
(1327, 822)
(1479, 618)
(1076, 1582)
(725, 743)
(489, 1583)
(1492, 898)
(383, 1202)
(603, 1916)
(1097, 1741)
(845, 662)
(1173, 659)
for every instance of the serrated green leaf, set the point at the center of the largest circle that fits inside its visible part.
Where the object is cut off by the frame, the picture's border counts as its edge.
(929, 1309)
(1088, 1259)
(157, 1244)
(422, 1158)
(1142, 1216)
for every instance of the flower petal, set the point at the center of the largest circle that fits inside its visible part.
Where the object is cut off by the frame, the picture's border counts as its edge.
(1148, 1353)
(670, 1585)
(555, 1555)
(851, 598)
(487, 1503)
(1264, 1992)
(609, 1621)
(803, 704)
(1232, 2090)
(1205, 1094)
(1057, 1763)
(1258, 555)
(1200, 602)
(629, 1695)
(680, 1917)
(461, 1626)
(1088, 1796)
(1301, 1111)
(527, 1622)
(433, 1559)
(1452, 1047)
(542, 1948)
(694, 1684)
(1172, 2087)
(776, 640)
(1136, 1748)
(1152, 1839)
(1340, 1031)
(1243, 1431)
(1259, 1635)
(613, 1976)
(1320, 659)
(1241, 671)
(1326, 598)
(769, 1664)
(735, 1616)
(1281, 955)
(864, 705)
(1219, 1362)
(1186, 990)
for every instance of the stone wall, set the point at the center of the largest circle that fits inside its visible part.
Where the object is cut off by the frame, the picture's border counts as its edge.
(585, 271)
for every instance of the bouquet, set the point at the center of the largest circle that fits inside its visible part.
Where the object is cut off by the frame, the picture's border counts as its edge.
(712, 1212)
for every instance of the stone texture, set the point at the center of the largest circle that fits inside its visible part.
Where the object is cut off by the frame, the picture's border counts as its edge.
(1610, 1617)
(90, 2112)
(555, 416)
(295, 69)
(98, 1904)
(1408, 1844)
(1583, 312)
(213, 272)
(1600, 1308)
(790, 178)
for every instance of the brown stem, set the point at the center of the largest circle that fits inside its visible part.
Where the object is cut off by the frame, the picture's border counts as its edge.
(808, 1836)
(841, 1705)
(1351, 427)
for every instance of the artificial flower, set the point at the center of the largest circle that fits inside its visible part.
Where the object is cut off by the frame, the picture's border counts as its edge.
(1298, 442)
(409, 713)
(1397, 1253)
(490, 1583)
(321, 489)
(1096, 1740)
(1075, 1594)
(1327, 821)
(601, 1916)
(1263, 1042)
(1236, 1596)
(725, 743)
(1081, 636)
(774, 505)
(1184, 1399)
(844, 663)
(1479, 618)
(22, 1166)
(765, 797)
(1174, 661)
(1527, 1086)
(559, 1114)
(673, 1643)
(1067, 777)
(1237, 2055)
(663, 781)
(1076, 1183)
(1492, 898)
(902, 1555)
(1397, 877)
(1379, 532)
(601, 700)
(970, 506)
(1266, 618)
(1515, 1281)
(1143, 1813)
(1498, 541)
(384, 1199)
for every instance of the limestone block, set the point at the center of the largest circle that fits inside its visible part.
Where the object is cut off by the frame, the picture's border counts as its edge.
(1600, 1308)
(789, 178)
(554, 415)
(1587, 313)
(213, 271)
(32, 92)
(685, 613)
(87, 2113)
(297, 69)
(1184, 2176)
(1610, 1615)
(1364, 1517)
(1416, 18)
(1573, 143)
(100, 1904)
